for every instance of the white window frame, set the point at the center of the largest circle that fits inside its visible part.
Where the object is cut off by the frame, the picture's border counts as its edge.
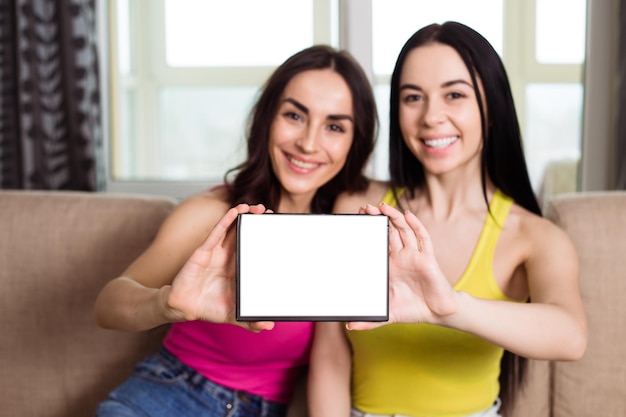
(152, 73)
(355, 36)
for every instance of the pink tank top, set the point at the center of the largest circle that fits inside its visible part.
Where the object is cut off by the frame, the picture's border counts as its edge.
(266, 363)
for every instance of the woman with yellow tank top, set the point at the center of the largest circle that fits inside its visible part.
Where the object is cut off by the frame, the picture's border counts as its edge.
(479, 279)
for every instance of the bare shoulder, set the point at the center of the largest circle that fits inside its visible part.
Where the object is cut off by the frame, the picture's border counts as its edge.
(545, 242)
(351, 202)
(535, 257)
(196, 215)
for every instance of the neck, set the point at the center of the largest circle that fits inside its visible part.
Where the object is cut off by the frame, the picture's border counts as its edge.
(445, 197)
(295, 204)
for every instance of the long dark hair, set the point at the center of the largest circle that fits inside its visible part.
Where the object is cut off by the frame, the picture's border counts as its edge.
(502, 154)
(254, 180)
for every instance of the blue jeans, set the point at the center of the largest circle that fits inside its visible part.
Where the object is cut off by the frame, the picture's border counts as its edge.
(162, 386)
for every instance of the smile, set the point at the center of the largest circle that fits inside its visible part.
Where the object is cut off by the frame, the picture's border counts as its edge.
(302, 164)
(440, 143)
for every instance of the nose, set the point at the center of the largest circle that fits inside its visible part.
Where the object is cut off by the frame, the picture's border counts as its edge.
(433, 113)
(307, 142)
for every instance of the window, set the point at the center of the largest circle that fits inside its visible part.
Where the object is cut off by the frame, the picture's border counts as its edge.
(183, 74)
(545, 69)
(394, 21)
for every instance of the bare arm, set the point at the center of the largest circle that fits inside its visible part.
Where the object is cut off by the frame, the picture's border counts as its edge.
(552, 327)
(185, 274)
(329, 372)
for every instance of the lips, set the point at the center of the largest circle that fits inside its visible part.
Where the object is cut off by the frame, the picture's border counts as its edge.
(440, 143)
(299, 163)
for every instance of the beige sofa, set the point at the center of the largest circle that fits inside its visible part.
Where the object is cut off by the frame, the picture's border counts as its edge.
(57, 249)
(596, 385)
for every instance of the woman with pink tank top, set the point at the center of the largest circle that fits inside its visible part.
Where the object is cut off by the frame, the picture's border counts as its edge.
(310, 134)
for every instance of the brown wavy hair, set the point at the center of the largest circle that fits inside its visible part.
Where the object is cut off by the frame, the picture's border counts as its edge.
(254, 181)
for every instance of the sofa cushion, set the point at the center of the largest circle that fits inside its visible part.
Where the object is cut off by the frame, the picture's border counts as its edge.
(596, 385)
(57, 250)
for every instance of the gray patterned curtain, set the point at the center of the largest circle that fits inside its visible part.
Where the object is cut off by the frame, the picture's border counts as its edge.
(50, 128)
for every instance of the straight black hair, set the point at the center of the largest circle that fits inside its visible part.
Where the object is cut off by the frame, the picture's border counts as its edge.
(502, 154)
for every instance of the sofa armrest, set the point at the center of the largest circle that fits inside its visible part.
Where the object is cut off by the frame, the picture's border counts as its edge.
(57, 250)
(595, 385)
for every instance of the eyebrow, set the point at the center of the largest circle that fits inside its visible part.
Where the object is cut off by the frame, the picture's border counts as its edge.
(444, 85)
(305, 110)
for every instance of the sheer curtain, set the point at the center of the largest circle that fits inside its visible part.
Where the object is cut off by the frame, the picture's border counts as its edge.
(50, 128)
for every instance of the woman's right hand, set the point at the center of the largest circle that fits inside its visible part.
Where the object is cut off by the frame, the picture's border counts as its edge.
(204, 288)
(418, 290)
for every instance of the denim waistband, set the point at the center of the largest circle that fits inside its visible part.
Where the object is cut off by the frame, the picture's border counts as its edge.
(230, 396)
(490, 412)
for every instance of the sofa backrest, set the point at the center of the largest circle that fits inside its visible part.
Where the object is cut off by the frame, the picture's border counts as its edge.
(57, 250)
(596, 385)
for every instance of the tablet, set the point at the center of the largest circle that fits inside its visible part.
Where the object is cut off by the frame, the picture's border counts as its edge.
(312, 267)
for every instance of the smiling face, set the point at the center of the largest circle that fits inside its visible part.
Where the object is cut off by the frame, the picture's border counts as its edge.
(311, 133)
(438, 110)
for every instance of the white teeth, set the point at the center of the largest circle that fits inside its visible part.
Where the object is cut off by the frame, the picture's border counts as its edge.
(302, 164)
(440, 142)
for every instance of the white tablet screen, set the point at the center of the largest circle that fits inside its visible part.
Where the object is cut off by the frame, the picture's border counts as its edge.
(300, 267)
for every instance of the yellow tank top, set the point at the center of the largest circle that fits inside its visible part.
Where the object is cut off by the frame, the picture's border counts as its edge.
(428, 370)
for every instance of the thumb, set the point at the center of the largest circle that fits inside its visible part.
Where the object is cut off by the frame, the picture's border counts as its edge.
(364, 325)
(258, 326)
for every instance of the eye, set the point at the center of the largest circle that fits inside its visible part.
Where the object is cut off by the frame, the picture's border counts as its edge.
(337, 128)
(410, 98)
(292, 115)
(455, 95)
